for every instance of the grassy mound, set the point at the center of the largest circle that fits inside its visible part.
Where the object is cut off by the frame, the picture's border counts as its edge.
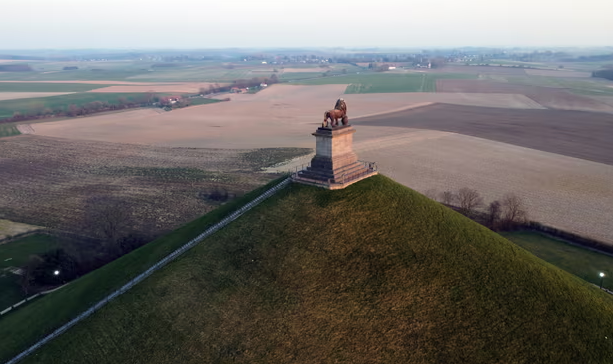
(372, 273)
(22, 328)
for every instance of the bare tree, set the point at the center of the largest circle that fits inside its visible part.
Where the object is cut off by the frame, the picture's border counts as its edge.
(448, 197)
(109, 219)
(469, 200)
(513, 211)
(27, 275)
(493, 214)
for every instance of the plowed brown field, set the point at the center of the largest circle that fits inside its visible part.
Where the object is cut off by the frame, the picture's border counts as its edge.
(567, 193)
(493, 70)
(572, 133)
(279, 116)
(553, 98)
(47, 181)
(560, 73)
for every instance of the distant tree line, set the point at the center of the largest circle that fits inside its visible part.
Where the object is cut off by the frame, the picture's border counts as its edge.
(506, 213)
(594, 58)
(241, 83)
(15, 68)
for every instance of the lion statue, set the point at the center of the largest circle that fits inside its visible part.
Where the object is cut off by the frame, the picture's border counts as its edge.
(339, 112)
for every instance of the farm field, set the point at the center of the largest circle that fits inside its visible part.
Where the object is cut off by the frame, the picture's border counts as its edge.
(553, 131)
(47, 87)
(7, 130)
(278, 116)
(183, 87)
(387, 82)
(11, 228)
(284, 115)
(62, 102)
(584, 263)
(48, 181)
(558, 73)
(29, 95)
(567, 193)
(549, 97)
(146, 71)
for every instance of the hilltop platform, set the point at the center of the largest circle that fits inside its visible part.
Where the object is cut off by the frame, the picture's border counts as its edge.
(335, 164)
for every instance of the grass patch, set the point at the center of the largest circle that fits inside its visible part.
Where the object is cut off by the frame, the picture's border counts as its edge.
(20, 250)
(24, 327)
(62, 102)
(47, 87)
(7, 130)
(16, 254)
(372, 273)
(584, 263)
(387, 82)
(81, 75)
(202, 101)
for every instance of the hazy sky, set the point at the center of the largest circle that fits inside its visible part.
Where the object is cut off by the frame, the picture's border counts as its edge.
(27, 24)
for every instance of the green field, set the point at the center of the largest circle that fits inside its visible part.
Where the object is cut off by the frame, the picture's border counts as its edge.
(146, 71)
(360, 275)
(39, 318)
(387, 82)
(47, 87)
(61, 102)
(16, 254)
(579, 261)
(8, 130)
(202, 101)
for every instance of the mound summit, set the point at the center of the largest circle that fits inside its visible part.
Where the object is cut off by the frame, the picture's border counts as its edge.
(372, 273)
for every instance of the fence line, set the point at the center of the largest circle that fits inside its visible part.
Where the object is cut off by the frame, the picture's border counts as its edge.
(225, 221)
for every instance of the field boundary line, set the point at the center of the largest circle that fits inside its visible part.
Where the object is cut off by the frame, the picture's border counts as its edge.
(163, 262)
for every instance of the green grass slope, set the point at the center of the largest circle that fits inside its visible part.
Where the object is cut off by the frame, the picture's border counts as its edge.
(580, 261)
(22, 328)
(7, 130)
(372, 273)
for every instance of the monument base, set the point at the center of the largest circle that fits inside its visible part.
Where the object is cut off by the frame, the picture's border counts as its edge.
(335, 165)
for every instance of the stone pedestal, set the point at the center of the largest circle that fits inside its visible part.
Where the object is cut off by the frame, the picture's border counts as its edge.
(335, 165)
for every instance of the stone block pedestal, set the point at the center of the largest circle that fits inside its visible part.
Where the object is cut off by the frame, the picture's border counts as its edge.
(335, 165)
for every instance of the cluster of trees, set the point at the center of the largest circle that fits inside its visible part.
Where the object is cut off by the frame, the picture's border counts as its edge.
(241, 83)
(109, 222)
(504, 214)
(608, 74)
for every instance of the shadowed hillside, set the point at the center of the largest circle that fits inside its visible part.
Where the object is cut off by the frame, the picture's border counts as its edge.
(372, 273)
